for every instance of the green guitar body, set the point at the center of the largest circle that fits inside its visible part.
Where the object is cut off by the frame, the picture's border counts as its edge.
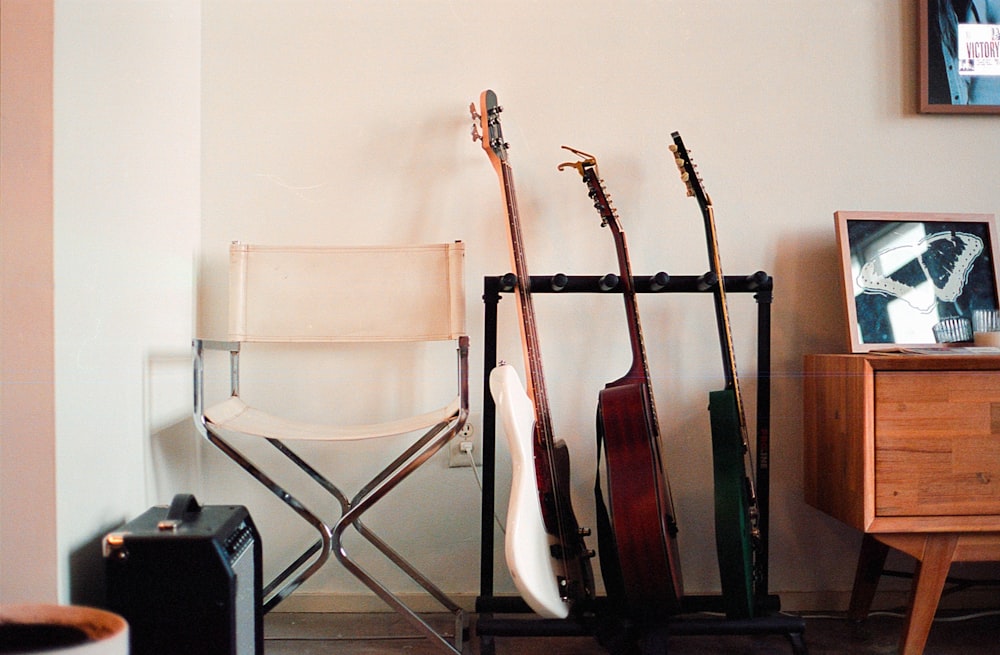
(732, 520)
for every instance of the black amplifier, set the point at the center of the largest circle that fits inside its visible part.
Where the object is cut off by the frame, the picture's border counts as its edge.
(187, 578)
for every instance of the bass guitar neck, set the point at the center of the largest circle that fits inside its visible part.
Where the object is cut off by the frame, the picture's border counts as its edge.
(545, 548)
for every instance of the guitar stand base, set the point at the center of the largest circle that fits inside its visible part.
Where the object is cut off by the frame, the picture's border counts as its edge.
(623, 637)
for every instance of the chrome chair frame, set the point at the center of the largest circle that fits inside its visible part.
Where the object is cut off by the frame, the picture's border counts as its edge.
(351, 509)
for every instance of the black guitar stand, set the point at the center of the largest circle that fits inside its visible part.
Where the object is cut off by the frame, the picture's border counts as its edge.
(598, 620)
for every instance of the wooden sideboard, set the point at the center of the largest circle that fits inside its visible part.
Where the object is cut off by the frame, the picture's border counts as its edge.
(906, 448)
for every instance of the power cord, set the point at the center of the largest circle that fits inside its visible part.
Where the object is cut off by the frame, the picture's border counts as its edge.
(467, 449)
(900, 615)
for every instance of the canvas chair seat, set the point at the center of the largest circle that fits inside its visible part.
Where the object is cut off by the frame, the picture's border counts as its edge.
(234, 415)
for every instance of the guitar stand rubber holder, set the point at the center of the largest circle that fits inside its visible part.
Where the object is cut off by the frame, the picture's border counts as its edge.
(599, 620)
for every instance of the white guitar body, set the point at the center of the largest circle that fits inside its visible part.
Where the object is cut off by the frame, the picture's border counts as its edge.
(528, 545)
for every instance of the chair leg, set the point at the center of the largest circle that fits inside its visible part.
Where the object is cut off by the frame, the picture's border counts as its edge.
(407, 568)
(371, 537)
(391, 599)
(381, 485)
(321, 548)
(268, 592)
(425, 444)
(315, 475)
(331, 538)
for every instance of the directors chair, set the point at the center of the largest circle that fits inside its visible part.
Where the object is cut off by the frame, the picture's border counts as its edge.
(346, 298)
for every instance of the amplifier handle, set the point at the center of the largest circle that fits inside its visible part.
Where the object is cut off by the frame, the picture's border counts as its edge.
(182, 506)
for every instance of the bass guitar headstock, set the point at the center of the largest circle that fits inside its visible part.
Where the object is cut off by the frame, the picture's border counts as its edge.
(689, 171)
(587, 167)
(486, 127)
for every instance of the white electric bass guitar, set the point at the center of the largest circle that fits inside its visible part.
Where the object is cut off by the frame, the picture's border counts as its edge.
(545, 550)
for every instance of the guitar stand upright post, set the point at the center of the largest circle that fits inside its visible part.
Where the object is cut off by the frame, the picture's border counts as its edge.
(591, 622)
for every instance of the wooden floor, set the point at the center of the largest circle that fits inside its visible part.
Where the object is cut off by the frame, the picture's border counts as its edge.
(385, 634)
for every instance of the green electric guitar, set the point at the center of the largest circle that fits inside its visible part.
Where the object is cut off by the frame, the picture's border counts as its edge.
(737, 533)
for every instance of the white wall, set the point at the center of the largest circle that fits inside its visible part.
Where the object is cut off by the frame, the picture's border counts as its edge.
(347, 122)
(342, 122)
(127, 197)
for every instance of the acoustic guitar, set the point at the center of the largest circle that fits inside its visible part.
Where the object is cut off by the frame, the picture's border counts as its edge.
(544, 545)
(640, 561)
(737, 533)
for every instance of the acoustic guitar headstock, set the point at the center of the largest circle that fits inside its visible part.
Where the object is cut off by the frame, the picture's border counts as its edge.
(587, 167)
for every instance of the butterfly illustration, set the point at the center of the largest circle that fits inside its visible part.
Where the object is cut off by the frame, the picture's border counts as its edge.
(944, 259)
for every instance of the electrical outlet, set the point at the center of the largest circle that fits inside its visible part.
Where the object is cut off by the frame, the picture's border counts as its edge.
(470, 434)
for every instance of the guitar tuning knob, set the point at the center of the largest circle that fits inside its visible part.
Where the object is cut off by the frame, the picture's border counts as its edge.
(590, 553)
(583, 532)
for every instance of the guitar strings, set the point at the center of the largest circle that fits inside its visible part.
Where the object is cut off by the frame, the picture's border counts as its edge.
(532, 357)
(593, 179)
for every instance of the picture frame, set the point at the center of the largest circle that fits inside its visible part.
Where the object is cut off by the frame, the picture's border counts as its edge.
(959, 60)
(905, 271)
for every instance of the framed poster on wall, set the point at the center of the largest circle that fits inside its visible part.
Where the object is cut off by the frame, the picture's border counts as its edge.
(959, 57)
(905, 272)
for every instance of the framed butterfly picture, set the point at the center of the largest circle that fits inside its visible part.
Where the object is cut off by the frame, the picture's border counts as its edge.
(905, 272)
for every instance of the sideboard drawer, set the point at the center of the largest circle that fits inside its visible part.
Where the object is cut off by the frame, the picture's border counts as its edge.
(937, 443)
(900, 443)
